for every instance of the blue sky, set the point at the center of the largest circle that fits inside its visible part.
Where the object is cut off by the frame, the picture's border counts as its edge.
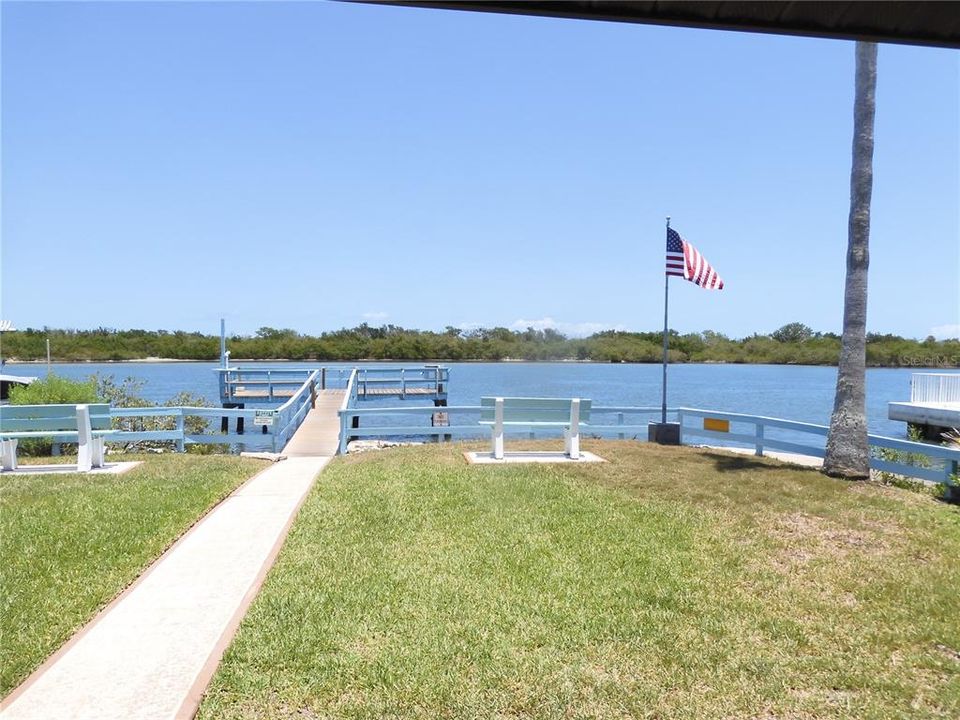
(318, 165)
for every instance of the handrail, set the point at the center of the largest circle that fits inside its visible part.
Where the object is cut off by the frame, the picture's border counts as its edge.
(351, 390)
(304, 387)
(348, 398)
(288, 418)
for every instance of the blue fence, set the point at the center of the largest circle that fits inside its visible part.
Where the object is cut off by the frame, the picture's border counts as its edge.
(932, 463)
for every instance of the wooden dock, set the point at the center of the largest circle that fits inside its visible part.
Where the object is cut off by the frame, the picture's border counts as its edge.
(304, 403)
(319, 435)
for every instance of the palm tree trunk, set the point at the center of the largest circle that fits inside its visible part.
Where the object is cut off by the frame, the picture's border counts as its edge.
(848, 453)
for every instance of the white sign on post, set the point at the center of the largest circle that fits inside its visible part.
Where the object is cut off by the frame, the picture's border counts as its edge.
(263, 417)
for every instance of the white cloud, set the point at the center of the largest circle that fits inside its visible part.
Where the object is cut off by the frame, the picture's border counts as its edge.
(375, 315)
(946, 332)
(582, 329)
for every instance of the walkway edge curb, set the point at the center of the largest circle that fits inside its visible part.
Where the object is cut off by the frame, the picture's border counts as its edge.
(191, 703)
(92, 622)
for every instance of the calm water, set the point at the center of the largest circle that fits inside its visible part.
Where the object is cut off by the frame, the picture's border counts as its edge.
(793, 392)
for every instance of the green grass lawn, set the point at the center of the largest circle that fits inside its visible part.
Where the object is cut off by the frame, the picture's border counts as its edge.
(668, 583)
(71, 543)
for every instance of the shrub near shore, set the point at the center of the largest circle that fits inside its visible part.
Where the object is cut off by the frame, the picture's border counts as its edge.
(794, 343)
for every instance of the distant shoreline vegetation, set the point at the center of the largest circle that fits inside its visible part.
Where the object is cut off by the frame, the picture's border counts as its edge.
(794, 343)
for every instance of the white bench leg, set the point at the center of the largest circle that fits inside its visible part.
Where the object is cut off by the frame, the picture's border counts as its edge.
(572, 433)
(498, 430)
(8, 454)
(84, 439)
(98, 452)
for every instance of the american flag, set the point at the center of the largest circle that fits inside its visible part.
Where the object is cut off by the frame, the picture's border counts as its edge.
(684, 261)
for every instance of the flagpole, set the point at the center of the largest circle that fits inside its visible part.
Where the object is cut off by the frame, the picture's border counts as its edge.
(666, 299)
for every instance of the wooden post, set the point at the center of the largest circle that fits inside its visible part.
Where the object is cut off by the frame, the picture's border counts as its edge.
(440, 419)
(323, 378)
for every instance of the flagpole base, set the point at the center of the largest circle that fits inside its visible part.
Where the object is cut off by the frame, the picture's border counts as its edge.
(664, 433)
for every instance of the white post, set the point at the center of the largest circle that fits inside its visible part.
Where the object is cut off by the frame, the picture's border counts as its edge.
(84, 439)
(8, 450)
(573, 432)
(498, 429)
(48, 356)
(180, 429)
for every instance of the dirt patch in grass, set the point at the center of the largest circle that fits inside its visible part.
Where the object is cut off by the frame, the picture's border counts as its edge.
(803, 538)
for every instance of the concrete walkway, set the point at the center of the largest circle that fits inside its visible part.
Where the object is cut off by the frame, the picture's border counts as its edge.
(151, 653)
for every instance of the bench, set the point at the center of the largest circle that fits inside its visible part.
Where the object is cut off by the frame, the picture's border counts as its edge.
(86, 425)
(568, 414)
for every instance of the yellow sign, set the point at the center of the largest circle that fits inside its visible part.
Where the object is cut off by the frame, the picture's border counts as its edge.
(716, 425)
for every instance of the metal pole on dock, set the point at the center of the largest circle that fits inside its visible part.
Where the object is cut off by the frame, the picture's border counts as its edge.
(666, 299)
(223, 342)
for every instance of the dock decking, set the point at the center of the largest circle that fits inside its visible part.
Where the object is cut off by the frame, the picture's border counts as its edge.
(319, 435)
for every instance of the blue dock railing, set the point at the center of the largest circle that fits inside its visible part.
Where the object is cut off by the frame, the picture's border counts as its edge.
(431, 380)
(266, 429)
(270, 385)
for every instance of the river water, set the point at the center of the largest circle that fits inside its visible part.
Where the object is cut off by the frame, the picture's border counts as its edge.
(793, 392)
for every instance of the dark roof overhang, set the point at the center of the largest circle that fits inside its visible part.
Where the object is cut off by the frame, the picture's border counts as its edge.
(916, 23)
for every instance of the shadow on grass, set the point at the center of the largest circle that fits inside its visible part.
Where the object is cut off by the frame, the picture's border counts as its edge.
(739, 463)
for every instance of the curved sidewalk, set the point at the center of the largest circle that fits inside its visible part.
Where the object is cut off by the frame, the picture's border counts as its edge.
(150, 654)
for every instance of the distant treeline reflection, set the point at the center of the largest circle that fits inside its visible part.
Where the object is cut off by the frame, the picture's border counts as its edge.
(793, 343)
